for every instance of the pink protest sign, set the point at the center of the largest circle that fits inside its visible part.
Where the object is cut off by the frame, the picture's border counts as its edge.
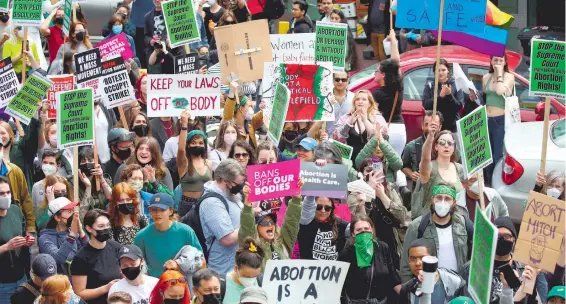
(274, 180)
(116, 46)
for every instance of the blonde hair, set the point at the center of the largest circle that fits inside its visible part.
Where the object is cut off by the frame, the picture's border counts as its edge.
(55, 290)
(373, 107)
(9, 130)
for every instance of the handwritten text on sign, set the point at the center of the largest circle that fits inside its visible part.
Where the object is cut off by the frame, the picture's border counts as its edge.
(9, 84)
(274, 180)
(61, 83)
(297, 48)
(169, 95)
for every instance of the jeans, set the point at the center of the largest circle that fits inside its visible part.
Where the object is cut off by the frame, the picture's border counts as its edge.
(496, 128)
(8, 289)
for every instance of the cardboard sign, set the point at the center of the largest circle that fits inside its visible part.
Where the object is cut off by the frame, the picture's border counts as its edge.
(243, 48)
(9, 83)
(114, 47)
(547, 68)
(75, 118)
(274, 114)
(483, 255)
(169, 95)
(61, 83)
(345, 150)
(473, 139)
(67, 17)
(27, 13)
(274, 180)
(459, 15)
(116, 83)
(181, 22)
(25, 104)
(311, 89)
(542, 231)
(187, 64)
(297, 48)
(331, 44)
(329, 180)
(88, 64)
(304, 281)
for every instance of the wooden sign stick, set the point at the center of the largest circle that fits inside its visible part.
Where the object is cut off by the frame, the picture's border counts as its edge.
(24, 55)
(440, 21)
(545, 135)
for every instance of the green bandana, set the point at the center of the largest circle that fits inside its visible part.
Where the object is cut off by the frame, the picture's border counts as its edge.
(196, 132)
(364, 249)
(442, 189)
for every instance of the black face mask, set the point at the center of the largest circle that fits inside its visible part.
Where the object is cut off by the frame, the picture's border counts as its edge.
(59, 194)
(504, 247)
(4, 18)
(123, 154)
(69, 221)
(58, 20)
(303, 131)
(290, 135)
(172, 301)
(131, 273)
(213, 298)
(141, 130)
(102, 235)
(86, 168)
(196, 150)
(80, 36)
(237, 189)
(126, 208)
(8, 143)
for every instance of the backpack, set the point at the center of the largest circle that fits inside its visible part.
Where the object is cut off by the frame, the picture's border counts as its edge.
(192, 219)
(469, 230)
(273, 9)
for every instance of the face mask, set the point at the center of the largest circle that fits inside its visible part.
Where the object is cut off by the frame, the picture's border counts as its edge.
(131, 273)
(236, 189)
(290, 135)
(229, 139)
(213, 298)
(7, 144)
(53, 140)
(136, 186)
(364, 248)
(196, 150)
(58, 20)
(60, 194)
(303, 131)
(553, 192)
(19, 33)
(247, 282)
(172, 301)
(48, 169)
(102, 235)
(141, 130)
(212, 2)
(80, 36)
(249, 114)
(475, 188)
(123, 154)
(442, 208)
(504, 247)
(4, 18)
(126, 208)
(5, 202)
(69, 221)
(117, 29)
(86, 167)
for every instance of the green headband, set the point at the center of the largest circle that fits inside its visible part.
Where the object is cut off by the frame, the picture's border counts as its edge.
(443, 189)
(243, 102)
(196, 132)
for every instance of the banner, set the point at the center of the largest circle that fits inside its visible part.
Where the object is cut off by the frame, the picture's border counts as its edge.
(331, 44)
(4, 6)
(25, 104)
(542, 231)
(88, 65)
(473, 140)
(274, 180)
(9, 83)
(116, 83)
(61, 83)
(169, 95)
(27, 13)
(329, 180)
(296, 48)
(67, 17)
(547, 68)
(187, 64)
(181, 22)
(483, 255)
(75, 118)
(274, 114)
(115, 46)
(311, 87)
(345, 150)
(304, 281)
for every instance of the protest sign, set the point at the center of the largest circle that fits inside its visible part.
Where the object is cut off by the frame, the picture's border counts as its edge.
(181, 22)
(25, 104)
(27, 13)
(331, 44)
(169, 95)
(243, 48)
(311, 89)
(458, 15)
(304, 281)
(75, 118)
(88, 65)
(61, 83)
(187, 64)
(115, 46)
(345, 150)
(9, 83)
(473, 139)
(547, 68)
(4, 6)
(296, 48)
(274, 113)
(116, 83)
(542, 231)
(329, 180)
(483, 254)
(67, 17)
(274, 180)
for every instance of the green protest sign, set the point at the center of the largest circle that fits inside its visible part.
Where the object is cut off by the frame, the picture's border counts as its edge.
(180, 21)
(68, 9)
(4, 6)
(331, 44)
(473, 140)
(547, 68)
(75, 119)
(483, 253)
(27, 12)
(25, 104)
(345, 150)
(275, 113)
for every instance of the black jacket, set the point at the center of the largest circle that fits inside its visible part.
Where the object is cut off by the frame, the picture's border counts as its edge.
(304, 25)
(449, 105)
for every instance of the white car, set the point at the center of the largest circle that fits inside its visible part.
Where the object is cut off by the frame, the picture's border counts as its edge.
(514, 175)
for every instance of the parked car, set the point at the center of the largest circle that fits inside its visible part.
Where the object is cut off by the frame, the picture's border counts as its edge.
(515, 174)
(417, 69)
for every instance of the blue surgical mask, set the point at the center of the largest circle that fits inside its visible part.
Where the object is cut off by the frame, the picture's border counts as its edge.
(117, 29)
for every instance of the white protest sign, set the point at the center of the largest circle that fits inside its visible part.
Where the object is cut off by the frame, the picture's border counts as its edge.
(304, 281)
(9, 84)
(116, 83)
(298, 48)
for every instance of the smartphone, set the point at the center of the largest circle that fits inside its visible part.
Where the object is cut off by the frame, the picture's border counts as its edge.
(509, 275)
(377, 167)
(27, 46)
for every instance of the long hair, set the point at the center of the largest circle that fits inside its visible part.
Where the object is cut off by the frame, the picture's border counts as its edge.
(138, 88)
(453, 157)
(116, 219)
(166, 280)
(505, 67)
(156, 158)
(113, 19)
(191, 167)
(133, 118)
(373, 107)
(333, 218)
(219, 141)
(47, 125)
(10, 131)
(73, 40)
(68, 61)
(246, 146)
(55, 290)
(443, 62)
(392, 81)
(225, 16)
(52, 180)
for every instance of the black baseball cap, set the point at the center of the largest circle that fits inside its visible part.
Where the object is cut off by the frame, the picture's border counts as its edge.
(44, 266)
(131, 251)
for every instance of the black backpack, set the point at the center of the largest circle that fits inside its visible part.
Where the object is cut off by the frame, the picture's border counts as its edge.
(469, 230)
(192, 219)
(273, 9)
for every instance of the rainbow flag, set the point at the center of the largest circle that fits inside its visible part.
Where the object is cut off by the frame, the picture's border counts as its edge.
(494, 38)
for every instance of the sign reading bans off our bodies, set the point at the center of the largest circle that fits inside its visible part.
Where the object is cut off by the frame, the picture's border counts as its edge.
(75, 119)
(547, 68)
(274, 180)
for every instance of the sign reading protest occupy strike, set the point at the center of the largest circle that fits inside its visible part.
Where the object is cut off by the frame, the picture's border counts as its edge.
(547, 68)
(75, 119)
(329, 180)
(24, 105)
(274, 180)
(169, 95)
(304, 281)
(483, 254)
(311, 88)
(274, 114)
(181, 22)
(187, 64)
(331, 44)
(61, 83)
(9, 83)
(116, 83)
(345, 150)
(473, 139)
(67, 17)
(27, 13)
(297, 48)
(115, 46)
(542, 231)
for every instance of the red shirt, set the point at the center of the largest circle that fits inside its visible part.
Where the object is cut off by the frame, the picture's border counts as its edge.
(54, 41)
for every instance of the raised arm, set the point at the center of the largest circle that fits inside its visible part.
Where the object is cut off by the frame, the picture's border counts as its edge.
(182, 161)
(425, 166)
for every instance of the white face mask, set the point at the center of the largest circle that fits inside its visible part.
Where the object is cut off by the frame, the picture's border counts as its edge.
(230, 138)
(136, 186)
(475, 188)
(250, 114)
(53, 140)
(553, 192)
(48, 169)
(5, 202)
(442, 208)
(247, 282)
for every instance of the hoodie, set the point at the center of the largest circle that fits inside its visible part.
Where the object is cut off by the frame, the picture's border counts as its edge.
(301, 26)
(451, 282)
(62, 248)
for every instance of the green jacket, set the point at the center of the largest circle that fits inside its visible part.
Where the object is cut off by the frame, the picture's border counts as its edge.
(412, 154)
(24, 151)
(285, 237)
(352, 172)
(20, 194)
(156, 187)
(393, 161)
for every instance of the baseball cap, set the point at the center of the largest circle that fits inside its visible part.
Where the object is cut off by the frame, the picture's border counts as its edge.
(161, 201)
(118, 135)
(308, 143)
(131, 251)
(266, 210)
(557, 291)
(462, 300)
(60, 203)
(44, 266)
(253, 294)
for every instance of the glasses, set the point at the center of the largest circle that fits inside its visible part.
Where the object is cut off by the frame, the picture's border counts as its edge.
(326, 208)
(444, 142)
(181, 280)
(241, 155)
(507, 237)
(266, 223)
(340, 79)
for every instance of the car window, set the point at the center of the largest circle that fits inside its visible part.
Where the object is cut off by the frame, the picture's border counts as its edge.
(558, 133)
(525, 101)
(414, 82)
(361, 75)
(475, 74)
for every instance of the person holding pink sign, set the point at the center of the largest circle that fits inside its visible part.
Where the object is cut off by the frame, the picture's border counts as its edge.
(115, 27)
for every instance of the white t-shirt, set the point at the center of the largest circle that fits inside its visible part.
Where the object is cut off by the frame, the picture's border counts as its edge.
(171, 148)
(446, 253)
(140, 294)
(101, 131)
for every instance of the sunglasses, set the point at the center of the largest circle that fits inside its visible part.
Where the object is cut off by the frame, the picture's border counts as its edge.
(181, 280)
(340, 79)
(444, 142)
(241, 155)
(266, 223)
(326, 208)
